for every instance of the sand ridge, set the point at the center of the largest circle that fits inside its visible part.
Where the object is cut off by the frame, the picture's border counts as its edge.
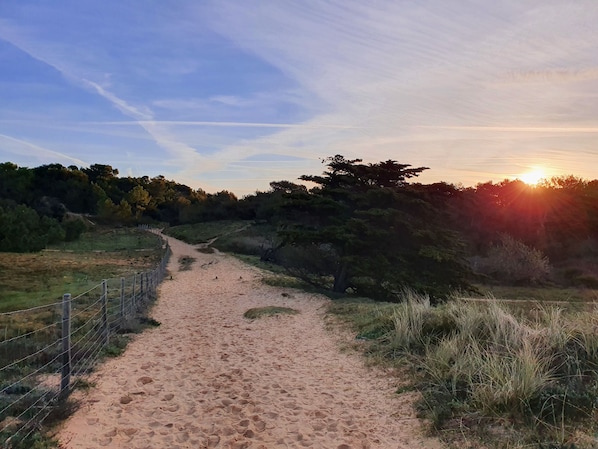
(209, 378)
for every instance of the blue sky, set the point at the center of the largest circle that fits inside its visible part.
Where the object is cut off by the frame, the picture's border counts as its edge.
(234, 94)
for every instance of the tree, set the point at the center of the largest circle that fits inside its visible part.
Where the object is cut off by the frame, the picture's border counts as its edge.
(138, 198)
(381, 233)
(23, 230)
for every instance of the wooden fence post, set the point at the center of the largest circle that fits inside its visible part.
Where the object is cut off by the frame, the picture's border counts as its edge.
(148, 288)
(105, 329)
(133, 294)
(65, 378)
(122, 299)
(142, 288)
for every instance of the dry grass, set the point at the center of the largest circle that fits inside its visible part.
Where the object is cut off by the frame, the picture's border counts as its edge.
(487, 374)
(260, 312)
(29, 280)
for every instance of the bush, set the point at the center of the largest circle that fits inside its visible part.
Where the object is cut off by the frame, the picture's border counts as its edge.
(23, 230)
(73, 228)
(512, 261)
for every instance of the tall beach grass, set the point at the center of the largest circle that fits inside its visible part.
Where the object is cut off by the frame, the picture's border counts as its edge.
(480, 362)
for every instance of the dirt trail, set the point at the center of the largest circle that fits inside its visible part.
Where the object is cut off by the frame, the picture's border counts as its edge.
(209, 378)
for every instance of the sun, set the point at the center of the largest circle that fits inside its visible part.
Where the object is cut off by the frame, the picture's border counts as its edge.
(533, 177)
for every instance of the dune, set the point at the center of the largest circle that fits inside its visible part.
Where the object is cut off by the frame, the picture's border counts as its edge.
(209, 378)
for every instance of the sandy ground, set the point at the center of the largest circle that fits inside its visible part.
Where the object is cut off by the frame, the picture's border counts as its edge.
(209, 378)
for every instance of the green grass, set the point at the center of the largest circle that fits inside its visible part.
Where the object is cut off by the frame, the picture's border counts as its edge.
(487, 374)
(29, 280)
(260, 312)
(204, 232)
(255, 261)
(252, 240)
(127, 240)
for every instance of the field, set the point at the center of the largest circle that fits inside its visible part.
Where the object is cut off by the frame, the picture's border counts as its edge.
(32, 284)
(29, 280)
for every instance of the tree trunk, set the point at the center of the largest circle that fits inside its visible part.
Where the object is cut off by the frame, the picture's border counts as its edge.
(340, 278)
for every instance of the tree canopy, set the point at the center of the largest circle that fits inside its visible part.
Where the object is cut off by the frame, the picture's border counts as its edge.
(378, 234)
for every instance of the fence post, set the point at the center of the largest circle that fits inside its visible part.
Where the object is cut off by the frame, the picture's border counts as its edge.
(105, 329)
(150, 285)
(152, 276)
(133, 294)
(65, 378)
(142, 288)
(147, 289)
(122, 299)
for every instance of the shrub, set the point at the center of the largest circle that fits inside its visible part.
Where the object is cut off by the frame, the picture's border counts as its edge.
(512, 261)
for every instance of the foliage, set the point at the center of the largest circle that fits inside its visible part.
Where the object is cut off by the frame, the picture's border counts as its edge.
(372, 231)
(381, 229)
(23, 230)
(512, 261)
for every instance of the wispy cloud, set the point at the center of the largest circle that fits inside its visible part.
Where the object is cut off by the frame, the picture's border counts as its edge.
(119, 103)
(470, 89)
(39, 153)
(225, 124)
(551, 76)
(518, 129)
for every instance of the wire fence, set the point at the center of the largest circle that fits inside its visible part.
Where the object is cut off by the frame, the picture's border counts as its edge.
(46, 350)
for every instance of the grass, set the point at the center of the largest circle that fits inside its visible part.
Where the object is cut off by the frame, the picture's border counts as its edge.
(541, 294)
(29, 280)
(487, 374)
(204, 232)
(260, 312)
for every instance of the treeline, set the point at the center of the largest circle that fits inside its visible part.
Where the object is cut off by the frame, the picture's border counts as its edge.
(51, 203)
(368, 226)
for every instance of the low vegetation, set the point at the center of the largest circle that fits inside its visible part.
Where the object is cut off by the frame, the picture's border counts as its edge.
(363, 229)
(29, 353)
(34, 279)
(203, 232)
(185, 263)
(260, 312)
(506, 379)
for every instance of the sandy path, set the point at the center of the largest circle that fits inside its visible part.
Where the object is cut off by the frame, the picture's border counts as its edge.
(209, 378)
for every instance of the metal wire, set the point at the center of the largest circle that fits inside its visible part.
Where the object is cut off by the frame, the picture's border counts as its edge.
(29, 333)
(90, 344)
(16, 312)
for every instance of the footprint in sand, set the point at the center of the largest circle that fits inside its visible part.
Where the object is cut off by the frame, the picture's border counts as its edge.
(144, 380)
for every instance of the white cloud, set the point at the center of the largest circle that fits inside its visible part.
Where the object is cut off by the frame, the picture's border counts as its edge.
(36, 152)
(462, 87)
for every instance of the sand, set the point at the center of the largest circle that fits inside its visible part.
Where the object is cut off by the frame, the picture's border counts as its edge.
(210, 378)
